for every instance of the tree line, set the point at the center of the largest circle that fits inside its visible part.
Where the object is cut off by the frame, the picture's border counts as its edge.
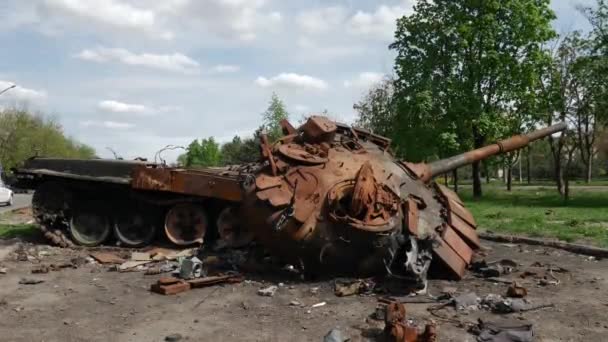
(207, 152)
(24, 134)
(469, 72)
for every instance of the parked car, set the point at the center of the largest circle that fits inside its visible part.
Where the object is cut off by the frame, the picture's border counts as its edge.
(6, 195)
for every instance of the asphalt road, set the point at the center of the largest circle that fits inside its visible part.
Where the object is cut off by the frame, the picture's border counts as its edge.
(19, 201)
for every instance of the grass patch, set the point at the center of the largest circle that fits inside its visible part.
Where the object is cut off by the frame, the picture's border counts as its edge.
(542, 213)
(10, 231)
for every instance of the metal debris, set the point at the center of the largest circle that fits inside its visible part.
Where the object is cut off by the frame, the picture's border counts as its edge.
(334, 335)
(191, 268)
(504, 332)
(398, 329)
(107, 258)
(30, 281)
(516, 291)
(268, 291)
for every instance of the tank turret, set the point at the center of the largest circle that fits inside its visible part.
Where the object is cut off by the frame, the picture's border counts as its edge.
(332, 198)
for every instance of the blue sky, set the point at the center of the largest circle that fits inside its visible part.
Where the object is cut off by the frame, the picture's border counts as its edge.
(136, 75)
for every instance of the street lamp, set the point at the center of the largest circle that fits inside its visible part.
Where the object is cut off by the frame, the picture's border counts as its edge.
(7, 89)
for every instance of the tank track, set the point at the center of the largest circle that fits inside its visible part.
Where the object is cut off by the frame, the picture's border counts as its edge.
(49, 214)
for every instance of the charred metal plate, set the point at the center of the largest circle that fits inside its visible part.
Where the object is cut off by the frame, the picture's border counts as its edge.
(450, 259)
(207, 183)
(319, 129)
(263, 182)
(465, 230)
(412, 217)
(278, 196)
(457, 244)
(151, 179)
(296, 152)
(448, 193)
(461, 211)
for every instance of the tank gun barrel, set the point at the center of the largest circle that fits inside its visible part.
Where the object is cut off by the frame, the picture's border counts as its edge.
(426, 172)
(511, 144)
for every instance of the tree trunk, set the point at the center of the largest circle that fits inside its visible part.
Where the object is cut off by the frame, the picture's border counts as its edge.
(589, 168)
(477, 192)
(455, 179)
(528, 171)
(478, 141)
(486, 170)
(509, 178)
(566, 190)
(559, 177)
(521, 177)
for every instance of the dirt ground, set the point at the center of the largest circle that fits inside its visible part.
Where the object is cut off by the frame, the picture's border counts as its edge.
(91, 303)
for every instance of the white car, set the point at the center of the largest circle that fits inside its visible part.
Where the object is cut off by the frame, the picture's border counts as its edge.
(6, 195)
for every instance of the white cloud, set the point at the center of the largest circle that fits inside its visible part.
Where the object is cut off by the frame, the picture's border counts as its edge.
(380, 24)
(225, 68)
(170, 62)
(19, 93)
(136, 109)
(321, 20)
(364, 80)
(112, 14)
(108, 124)
(121, 107)
(291, 80)
(239, 20)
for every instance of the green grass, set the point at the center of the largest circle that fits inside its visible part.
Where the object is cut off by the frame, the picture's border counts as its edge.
(541, 212)
(9, 231)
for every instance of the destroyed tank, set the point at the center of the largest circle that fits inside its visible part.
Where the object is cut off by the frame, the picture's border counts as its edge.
(326, 197)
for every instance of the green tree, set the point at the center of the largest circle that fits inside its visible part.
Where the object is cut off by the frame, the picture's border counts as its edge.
(271, 118)
(460, 64)
(24, 135)
(376, 111)
(240, 151)
(205, 153)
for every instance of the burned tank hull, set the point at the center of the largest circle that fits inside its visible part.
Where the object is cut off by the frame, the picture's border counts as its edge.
(326, 197)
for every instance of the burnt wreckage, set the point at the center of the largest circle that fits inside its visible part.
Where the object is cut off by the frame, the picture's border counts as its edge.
(327, 197)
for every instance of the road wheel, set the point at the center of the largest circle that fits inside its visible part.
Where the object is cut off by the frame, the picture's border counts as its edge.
(89, 227)
(10, 201)
(186, 224)
(230, 229)
(134, 229)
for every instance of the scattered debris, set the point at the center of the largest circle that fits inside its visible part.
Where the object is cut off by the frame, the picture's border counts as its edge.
(516, 291)
(295, 303)
(398, 329)
(170, 285)
(173, 338)
(191, 268)
(131, 265)
(107, 258)
(467, 301)
(268, 291)
(30, 281)
(494, 269)
(3, 270)
(353, 287)
(503, 332)
(164, 268)
(334, 335)
(140, 256)
(318, 305)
